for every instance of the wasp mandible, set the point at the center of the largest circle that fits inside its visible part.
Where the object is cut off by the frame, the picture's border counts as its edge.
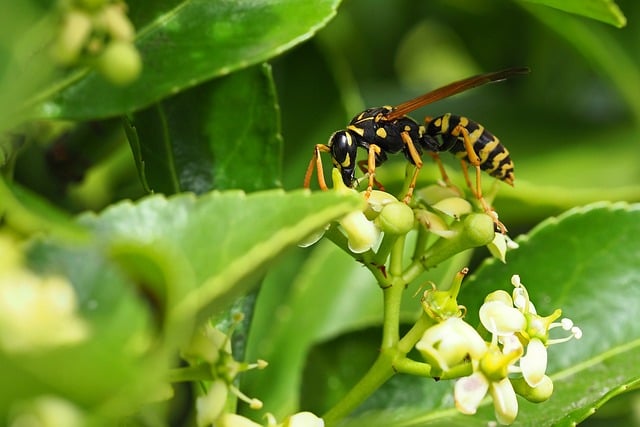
(388, 130)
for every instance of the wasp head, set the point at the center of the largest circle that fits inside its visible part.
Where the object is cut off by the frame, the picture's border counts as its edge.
(343, 154)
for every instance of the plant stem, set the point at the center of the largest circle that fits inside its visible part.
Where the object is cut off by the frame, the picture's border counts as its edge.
(190, 373)
(378, 374)
(393, 296)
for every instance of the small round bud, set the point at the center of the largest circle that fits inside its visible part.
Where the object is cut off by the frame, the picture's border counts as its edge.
(120, 63)
(395, 218)
(472, 231)
(537, 394)
(479, 229)
(454, 207)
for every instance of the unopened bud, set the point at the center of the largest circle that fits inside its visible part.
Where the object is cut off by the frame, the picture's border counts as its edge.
(395, 218)
(120, 63)
(472, 231)
(455, 207)
(537, 394)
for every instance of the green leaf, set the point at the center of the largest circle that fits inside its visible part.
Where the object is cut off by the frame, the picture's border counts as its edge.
(222, 134)
(227, 238)
(601, 10)
(29, 213)
(185, 43)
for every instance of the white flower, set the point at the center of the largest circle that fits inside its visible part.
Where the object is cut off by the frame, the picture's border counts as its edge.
(469, 392)
(505, 403)
(451, 342)
(38, 312)
(362, 234)
(304, 419)
(534, 363)
(500, 318)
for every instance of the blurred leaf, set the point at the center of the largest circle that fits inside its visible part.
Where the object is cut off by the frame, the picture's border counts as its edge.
(228, 238)
(223, 134)
(602, 10)
(600, 48)
(29, 213)
(111, 372)
(584, 262)
(186, 43)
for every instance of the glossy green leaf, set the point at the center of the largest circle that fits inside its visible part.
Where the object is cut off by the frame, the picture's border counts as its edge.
(602, 10)
(584, 262)
(185, 43)
(222, 134)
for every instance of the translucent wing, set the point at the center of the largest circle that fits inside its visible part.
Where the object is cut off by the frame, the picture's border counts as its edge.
(452, 89)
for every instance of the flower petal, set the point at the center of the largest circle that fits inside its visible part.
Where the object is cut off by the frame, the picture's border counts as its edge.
(501, 319)
(505, 402)
(469, 392)
(534, 363)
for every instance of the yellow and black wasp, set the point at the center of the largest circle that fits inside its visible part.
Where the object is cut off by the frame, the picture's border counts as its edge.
(388, 130)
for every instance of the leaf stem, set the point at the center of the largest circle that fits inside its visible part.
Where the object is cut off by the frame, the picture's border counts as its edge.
(190, 373)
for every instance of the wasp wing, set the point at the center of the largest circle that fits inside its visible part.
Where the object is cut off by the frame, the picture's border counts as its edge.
(452, 89)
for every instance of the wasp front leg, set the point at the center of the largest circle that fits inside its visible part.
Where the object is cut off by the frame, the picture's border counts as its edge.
(316, 161)
(364, 168)
(373, 151)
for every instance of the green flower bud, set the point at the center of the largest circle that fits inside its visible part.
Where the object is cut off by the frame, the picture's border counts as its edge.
(395, 218)
(473, 230)
(537, 394)
(454, 207)
(120, 63)
(432, 194)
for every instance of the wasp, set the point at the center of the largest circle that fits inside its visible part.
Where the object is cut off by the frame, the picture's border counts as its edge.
(388, 130)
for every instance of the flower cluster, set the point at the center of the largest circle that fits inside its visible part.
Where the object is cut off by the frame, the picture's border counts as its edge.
(439, 210)
(518, 345)
(36, 312)
(98, 32)
(210, 348)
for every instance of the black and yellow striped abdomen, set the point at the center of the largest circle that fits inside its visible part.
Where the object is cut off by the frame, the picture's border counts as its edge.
(494, 157)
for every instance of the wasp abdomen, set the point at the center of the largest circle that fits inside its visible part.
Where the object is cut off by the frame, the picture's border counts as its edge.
(494, 157)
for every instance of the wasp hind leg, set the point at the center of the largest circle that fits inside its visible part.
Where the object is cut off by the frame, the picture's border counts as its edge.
(474, 160)
(316, 162)
(417, 161)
